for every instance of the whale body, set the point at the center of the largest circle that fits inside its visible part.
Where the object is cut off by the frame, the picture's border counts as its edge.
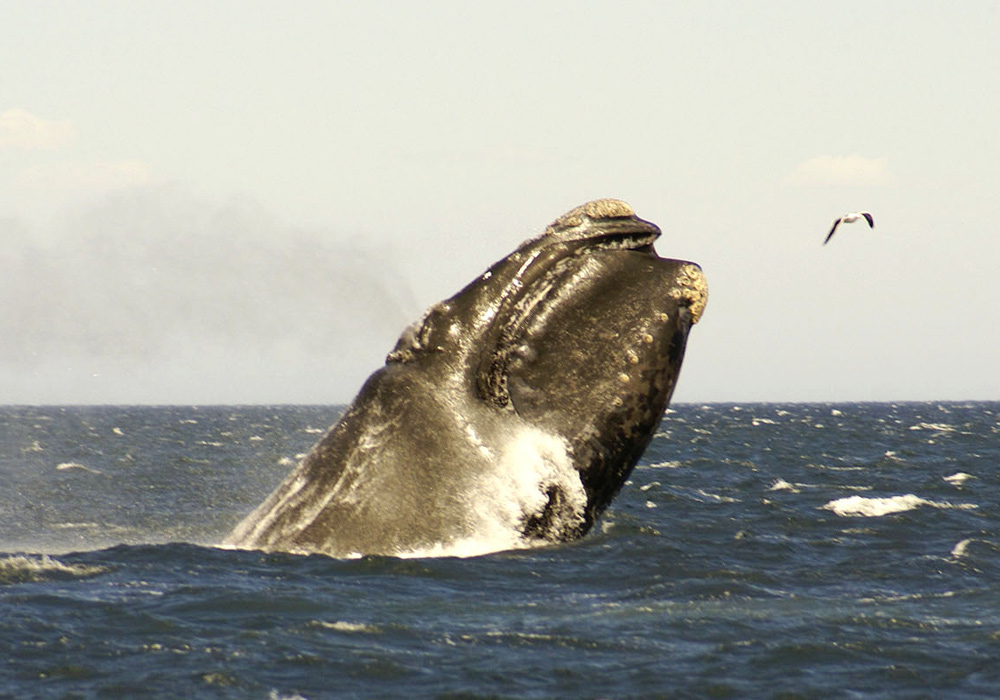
(510, 414)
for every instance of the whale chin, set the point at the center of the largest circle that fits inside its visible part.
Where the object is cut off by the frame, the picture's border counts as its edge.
(511, 413)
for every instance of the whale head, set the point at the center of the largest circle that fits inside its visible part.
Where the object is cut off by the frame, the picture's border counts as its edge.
(581, 331)
(520, 405)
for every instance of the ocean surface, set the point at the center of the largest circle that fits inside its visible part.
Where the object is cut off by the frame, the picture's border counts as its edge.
(759, 550)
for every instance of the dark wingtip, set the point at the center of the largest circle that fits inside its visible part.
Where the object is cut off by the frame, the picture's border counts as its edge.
(869, 219)
(830, 235)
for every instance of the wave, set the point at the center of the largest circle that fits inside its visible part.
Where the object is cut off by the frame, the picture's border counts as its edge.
(936, 427)
(25, 569)
(861, 507)
(64, 466)
(343, 626)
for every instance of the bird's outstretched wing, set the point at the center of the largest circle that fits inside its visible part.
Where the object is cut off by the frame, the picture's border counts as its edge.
(869, 219)
(830, 235)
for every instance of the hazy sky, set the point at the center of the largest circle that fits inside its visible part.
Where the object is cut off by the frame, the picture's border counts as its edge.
(208, 202)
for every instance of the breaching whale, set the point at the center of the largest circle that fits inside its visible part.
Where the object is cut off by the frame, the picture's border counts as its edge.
(511, 413)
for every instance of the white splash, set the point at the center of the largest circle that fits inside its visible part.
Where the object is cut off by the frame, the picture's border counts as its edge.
(861, 507)
(531, 464)
(958, 478)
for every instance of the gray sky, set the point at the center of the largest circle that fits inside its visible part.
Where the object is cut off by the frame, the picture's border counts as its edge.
(247, 201)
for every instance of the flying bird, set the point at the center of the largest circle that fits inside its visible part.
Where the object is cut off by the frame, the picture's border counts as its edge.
(850, 218)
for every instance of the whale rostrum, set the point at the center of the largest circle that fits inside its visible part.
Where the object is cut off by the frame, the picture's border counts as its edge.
(510, 414)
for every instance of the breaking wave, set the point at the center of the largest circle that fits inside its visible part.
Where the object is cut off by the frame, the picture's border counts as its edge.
(861, 507)
(24, 569)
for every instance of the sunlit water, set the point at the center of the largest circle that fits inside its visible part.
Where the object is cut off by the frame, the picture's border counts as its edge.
(848, 550)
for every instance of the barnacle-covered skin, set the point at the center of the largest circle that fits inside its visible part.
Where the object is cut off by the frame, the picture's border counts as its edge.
(520, 405)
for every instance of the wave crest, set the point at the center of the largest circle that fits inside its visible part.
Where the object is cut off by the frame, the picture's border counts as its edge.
(26, 569)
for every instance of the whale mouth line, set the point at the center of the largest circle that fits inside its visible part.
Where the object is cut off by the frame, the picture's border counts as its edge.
(597, 226)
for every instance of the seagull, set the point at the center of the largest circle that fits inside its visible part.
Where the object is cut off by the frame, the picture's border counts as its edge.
(850, 218)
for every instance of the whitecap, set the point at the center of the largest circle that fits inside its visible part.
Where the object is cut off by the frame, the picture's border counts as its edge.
(937, 427)
(958, 478)
(716, 497)
(958, 551)
(782, 485)
(343, 626)
(76, 465)
(22, 569)
(277, 695)
(859, 506)
(703, 496)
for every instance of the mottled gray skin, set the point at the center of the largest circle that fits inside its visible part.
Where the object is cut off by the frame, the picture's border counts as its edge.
(578, 333)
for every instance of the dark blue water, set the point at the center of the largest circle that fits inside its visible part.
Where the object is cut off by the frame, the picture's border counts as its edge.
(814, 551)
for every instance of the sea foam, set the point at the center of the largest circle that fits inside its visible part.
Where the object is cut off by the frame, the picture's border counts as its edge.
(531, 465)
(861, 507)
(22, 569)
